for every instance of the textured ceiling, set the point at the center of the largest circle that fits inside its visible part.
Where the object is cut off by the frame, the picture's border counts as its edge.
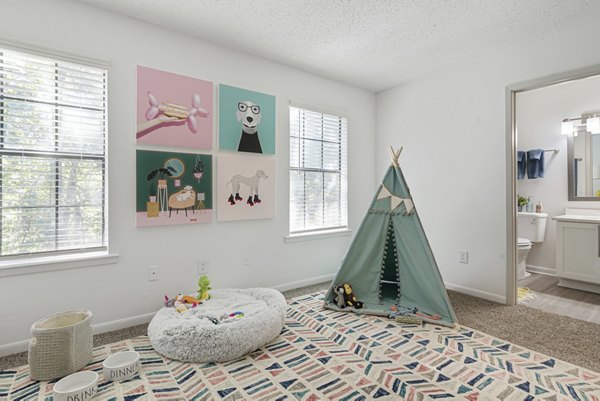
(373, 44)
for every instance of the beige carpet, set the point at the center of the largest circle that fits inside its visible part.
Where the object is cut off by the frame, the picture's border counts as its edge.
(561, 337)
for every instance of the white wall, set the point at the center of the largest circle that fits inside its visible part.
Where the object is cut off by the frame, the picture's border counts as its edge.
(452, 125)
(120, 291)
(538, 115)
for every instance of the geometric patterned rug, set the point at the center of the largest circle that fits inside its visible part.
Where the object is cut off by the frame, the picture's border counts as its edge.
(327, 355)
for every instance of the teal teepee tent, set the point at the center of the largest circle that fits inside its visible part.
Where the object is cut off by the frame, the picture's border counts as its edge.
(390, 261)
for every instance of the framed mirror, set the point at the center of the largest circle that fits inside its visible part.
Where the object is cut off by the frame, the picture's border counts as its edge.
(583, 166)
(176, 166)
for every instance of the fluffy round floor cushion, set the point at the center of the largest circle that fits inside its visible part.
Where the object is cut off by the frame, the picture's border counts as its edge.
(191, 337)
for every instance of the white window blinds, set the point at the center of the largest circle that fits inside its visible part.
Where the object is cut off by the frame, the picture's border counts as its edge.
(318, 171)
(52, 155)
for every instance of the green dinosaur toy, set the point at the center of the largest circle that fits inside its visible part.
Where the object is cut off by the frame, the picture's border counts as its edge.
(203, 288)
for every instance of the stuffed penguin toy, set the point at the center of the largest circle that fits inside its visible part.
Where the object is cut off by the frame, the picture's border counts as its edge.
(339, 298)
(350, 298)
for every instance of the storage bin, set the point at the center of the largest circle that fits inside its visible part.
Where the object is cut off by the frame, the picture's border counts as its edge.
(62, 344)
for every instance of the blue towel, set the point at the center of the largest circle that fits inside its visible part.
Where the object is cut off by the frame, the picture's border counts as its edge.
(521, 164)
(535, 163)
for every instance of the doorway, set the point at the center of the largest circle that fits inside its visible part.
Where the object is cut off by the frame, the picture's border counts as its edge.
(535, 110)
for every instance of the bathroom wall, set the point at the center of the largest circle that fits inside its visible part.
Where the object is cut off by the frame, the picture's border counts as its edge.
(120, 294)
(539, 114)
(452, 125)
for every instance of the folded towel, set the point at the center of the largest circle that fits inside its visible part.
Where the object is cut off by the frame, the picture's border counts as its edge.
(521, 164)
(535, 163)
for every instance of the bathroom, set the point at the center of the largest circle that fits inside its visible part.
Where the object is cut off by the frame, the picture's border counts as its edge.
(558, 261)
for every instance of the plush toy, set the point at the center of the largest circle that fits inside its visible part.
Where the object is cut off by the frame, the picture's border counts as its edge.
(350, 298)
(203, 288)
(179, 305)
(339, 298)
(169, 302)
(188, 299)
(182, 301)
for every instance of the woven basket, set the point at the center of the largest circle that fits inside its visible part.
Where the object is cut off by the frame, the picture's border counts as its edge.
(61, 344)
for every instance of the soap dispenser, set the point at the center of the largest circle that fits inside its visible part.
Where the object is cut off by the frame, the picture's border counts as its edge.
(539, 208)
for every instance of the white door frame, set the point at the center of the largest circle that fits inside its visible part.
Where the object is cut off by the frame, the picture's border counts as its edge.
(511, 158)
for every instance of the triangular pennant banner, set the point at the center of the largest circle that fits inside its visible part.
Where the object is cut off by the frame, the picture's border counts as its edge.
(396, 201)
(383, 193)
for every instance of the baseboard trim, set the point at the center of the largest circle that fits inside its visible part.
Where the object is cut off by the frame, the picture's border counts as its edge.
(14, 348)
(579, 285)
(542, 270)
(477, 293)
(21, 346)
(123, 323)
(303, 283)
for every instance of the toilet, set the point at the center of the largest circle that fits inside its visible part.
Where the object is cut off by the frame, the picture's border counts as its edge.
(531, 229)
(523, 248)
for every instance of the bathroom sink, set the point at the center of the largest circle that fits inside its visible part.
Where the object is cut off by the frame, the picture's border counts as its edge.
(579, 215)
(531, 214)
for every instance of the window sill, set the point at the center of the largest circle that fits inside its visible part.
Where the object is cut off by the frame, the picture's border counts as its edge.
(42, 264)
(316, 235)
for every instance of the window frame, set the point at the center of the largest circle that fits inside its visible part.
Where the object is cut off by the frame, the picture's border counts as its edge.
(323, 232)
(32, 262)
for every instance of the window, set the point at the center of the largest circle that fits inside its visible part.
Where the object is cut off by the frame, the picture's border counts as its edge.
(52, 155)
(318, 171)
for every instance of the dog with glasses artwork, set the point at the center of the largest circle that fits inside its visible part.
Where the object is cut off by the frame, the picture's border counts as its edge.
(248, 114)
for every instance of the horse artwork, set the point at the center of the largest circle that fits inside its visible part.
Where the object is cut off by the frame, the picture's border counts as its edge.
(245, 187)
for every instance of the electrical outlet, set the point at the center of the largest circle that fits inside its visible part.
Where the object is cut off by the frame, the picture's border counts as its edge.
(247, 259)
(463, 256)
(203, 267)
(153, 273)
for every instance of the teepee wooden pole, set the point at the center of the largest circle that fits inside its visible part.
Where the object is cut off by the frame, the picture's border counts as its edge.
(395, 155)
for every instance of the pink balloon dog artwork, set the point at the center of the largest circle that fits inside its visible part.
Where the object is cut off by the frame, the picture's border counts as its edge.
(174, 112)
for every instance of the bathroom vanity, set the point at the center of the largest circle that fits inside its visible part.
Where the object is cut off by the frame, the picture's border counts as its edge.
(578, 249)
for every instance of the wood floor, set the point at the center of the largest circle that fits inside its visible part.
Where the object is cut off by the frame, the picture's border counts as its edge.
(549, 297)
